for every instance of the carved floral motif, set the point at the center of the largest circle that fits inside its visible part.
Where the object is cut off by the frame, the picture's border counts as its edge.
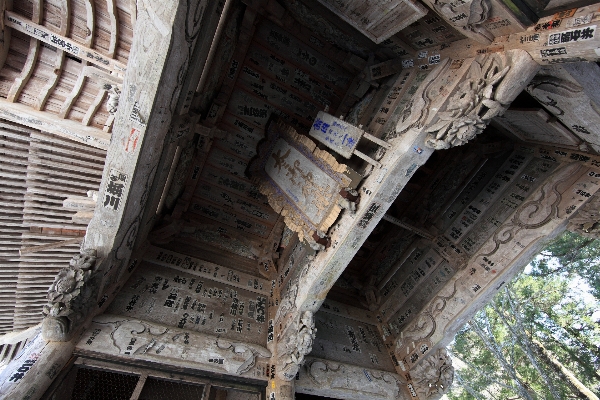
(295, 345)
(586, 220)
(472, 106)
(467, 16)
(433, 376)
(74, 288)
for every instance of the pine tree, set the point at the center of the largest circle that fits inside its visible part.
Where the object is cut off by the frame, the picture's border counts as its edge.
(539, 338)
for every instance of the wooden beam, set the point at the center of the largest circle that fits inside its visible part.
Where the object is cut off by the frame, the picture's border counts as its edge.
(48, 122)
(87, 72)
(34, 46)
(4, 33)
(114, 27)
(87, 119)
(62, 43)
(133, 12)
(21, 81)
(50, 246)
(65, 18)
(91, 26)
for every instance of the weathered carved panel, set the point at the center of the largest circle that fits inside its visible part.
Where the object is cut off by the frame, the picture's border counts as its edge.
(490, 85)
(586, 220)
(564, 97)
(302, 182)
(201, 297)
(544, 210)
(294, 344)
(132, 339)
(70, 297)
(348, 341)
(433, 376)
(337, 380)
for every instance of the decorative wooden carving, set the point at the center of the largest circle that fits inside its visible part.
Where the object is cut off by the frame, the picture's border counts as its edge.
(467, 17)
(140, 340)
(70, 296)
(294, 345)
(432, 378)
(339, 380)
(490, 85)
(586, 221)
(302, 182)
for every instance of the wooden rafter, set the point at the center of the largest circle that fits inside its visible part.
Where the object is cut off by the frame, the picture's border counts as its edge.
(73, 130)
(65, 18)
(63, 43)
(114, 27)
(89, 40)
(34, 47)
(87, 119)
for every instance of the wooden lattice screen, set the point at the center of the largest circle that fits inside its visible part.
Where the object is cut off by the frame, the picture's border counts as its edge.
(38, 171)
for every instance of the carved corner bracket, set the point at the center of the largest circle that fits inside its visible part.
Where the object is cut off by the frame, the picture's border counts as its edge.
(74, 289)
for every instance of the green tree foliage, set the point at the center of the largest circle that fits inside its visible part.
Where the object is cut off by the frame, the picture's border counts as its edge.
(539, 338)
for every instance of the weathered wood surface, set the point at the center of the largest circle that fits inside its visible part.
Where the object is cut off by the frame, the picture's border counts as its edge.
(113, 230)
(542, 214)
(111, 335)
(539, 41)
(566, 91)
(378, 21)
(22, 114)
(61, 42)
(36, 226)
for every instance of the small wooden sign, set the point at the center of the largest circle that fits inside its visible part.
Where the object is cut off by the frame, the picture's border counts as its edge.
(336, 134)
(301, 182)
(342, 137)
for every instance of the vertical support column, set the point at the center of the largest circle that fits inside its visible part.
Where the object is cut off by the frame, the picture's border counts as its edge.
(280, 389)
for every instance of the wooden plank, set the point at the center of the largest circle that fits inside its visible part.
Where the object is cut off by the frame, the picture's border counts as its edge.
(91, 26)
(50, 246)
(114, 27)
(87, 119)
(65, 18)
(5, 34)
(21, 81)
(377, 20)
(73, 130)
(63, 43)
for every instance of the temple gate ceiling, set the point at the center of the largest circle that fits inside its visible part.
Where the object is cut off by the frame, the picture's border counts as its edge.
(198, 261)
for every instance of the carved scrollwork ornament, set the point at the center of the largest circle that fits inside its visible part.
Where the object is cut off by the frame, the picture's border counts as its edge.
(74, 288)
(295, 345)
(474, 104)
(586, 221)
(468, 17)
(433, 377)
(114, 94)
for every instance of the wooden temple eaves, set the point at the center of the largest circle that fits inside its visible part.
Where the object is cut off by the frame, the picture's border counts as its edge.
(187, 266)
